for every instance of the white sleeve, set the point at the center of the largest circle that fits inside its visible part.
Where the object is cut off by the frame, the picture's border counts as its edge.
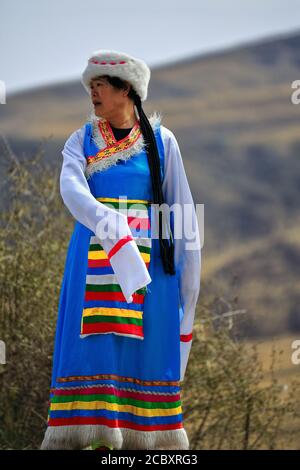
(117, 241)
(187, 261)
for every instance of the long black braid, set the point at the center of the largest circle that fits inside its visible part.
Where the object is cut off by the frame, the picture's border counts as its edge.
(166, 246)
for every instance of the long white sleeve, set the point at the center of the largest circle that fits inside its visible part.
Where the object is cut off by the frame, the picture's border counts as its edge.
(187, 261)
(120, 247)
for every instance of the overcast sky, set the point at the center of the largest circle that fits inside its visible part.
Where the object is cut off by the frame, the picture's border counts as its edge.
(49, 41)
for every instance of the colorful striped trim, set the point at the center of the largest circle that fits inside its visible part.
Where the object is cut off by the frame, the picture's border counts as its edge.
(105, 308)
(116, 401)
(108, 135)
(82, 379)
(186, 338)
(109, 151)
(112, 145)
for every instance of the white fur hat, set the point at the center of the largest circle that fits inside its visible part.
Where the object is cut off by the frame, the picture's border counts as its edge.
(118, 64)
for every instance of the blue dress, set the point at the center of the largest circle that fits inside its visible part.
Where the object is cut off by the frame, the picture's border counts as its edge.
(116, 379)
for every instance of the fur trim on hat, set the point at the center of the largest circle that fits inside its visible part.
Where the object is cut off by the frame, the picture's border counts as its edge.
(118, 64)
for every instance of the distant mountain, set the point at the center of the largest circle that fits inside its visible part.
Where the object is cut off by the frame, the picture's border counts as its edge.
(239, 136)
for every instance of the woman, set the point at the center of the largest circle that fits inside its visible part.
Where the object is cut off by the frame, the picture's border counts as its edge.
(130, 287)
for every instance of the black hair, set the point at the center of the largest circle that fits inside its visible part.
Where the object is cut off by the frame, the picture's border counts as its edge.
(166, 246)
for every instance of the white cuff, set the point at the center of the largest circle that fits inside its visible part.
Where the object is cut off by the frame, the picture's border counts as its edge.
(126, 260)
(185, 348)
(130, 269)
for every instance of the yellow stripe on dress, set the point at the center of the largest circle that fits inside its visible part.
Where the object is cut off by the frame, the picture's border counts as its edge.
(100, 254)
(97, 405)
(116, 199)
(120, 312)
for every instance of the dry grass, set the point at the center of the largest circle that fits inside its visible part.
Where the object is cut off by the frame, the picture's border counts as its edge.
(227, 402)
(233, 398)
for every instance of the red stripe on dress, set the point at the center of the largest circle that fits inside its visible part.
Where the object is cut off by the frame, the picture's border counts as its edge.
(113, 423)
(116, 296)
(103, 263)
(186, 338)
(120, 393)
(88, 328)
(119, 245)
(98, 263)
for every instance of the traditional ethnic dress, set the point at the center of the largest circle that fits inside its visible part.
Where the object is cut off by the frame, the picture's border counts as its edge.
(118, 359)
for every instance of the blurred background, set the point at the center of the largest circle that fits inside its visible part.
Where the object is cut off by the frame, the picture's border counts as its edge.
(222, 75)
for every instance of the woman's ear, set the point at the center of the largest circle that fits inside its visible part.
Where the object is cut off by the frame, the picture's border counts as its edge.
(127, 89)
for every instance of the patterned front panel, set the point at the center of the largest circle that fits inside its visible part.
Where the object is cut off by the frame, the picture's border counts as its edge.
(105, 307)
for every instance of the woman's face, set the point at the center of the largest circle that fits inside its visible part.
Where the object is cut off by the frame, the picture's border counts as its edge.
(105, 98)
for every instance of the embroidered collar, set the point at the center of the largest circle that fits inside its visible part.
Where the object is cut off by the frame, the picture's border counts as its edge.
(109, 149)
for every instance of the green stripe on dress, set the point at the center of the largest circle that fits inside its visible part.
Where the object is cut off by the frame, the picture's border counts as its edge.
(117, 400)
(112, 319)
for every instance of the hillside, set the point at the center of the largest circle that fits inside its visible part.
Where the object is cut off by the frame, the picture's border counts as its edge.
(239, 136)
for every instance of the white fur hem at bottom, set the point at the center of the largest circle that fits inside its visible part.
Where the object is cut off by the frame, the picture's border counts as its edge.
(78, 437)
